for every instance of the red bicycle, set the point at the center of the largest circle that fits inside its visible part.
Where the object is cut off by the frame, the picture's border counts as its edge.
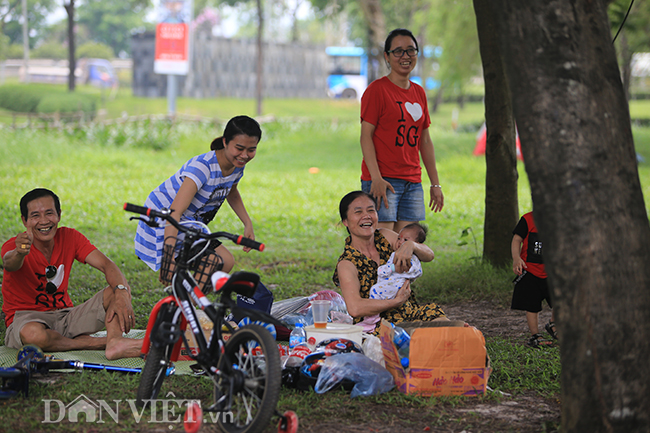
(245, 369)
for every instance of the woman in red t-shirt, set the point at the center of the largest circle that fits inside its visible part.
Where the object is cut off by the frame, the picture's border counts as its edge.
(394, 134)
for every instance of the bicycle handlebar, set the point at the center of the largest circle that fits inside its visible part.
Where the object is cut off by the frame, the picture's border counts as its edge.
(137, 209)
(166, 215)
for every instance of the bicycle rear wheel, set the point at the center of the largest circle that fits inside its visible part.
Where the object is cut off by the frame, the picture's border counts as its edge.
(249, 383)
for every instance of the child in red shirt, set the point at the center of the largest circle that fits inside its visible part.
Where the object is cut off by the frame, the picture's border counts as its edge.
(531, 287)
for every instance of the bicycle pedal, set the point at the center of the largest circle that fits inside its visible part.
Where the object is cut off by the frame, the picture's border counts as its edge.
(197, 369)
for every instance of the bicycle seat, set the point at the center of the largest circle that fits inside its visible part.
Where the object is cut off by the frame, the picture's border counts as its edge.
(241, 282)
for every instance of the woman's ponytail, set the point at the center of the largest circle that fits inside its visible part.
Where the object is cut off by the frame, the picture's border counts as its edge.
(217, 143)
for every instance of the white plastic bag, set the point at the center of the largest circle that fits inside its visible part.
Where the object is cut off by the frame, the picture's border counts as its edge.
(369, 377)
(372, 348)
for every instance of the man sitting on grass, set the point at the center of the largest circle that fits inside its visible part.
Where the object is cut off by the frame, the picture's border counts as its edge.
(37, 307)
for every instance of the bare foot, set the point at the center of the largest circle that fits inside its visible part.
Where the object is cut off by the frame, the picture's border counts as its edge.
(120, 347)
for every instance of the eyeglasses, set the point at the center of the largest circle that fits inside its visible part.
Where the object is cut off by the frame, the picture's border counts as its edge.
(50, 274)
(399, 52)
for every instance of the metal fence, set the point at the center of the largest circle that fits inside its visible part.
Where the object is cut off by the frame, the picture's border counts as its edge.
(226, 67)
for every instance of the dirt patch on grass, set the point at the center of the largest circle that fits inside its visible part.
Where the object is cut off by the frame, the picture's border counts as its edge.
(494, 320)
(525, 413)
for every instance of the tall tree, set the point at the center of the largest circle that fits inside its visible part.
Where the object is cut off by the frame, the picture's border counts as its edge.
(382, 16)
(69, 6)
(11, 18)
(501, 201)
(259, 84)
(4, 45)
(374, 17)
(451, 26)
(574, 124)
(281, 11)
(259, 67)
(369, 22)
(111, 22)
(72, 62)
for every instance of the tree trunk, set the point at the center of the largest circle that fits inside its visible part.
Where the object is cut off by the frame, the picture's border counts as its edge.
(574, 125)
(374, 16)
(294, 21)
(260, 58)
(501, 201)
(72, 62)
(437, 100)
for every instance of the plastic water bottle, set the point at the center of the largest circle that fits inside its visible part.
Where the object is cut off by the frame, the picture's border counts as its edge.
(403, 353)
(401, 337)
(298, 335)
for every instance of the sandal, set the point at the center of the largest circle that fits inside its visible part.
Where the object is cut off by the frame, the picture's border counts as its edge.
(534, 341)
(550, 328)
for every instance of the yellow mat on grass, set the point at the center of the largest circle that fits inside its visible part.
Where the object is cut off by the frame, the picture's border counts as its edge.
(8, 356)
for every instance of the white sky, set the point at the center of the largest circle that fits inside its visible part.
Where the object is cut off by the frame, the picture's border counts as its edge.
(229, 23)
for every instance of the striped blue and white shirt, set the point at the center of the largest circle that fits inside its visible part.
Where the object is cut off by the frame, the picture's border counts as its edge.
(213, 188)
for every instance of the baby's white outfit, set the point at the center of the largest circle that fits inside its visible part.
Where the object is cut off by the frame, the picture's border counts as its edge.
(388, 284)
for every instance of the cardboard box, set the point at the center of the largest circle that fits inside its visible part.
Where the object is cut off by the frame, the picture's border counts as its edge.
(443, 360)
(206, 327)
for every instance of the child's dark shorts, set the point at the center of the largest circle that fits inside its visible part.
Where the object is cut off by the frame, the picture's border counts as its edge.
(529, 293)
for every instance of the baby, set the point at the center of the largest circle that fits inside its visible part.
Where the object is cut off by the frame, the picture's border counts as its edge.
(388, 281)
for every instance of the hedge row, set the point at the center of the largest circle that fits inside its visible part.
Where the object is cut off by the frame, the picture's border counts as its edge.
(41, 99)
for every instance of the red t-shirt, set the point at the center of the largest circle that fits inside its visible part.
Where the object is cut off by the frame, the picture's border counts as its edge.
(27, 288)
(531, 247)
(399, 116)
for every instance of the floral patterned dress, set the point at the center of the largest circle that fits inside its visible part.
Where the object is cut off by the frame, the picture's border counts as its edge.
(367, 269)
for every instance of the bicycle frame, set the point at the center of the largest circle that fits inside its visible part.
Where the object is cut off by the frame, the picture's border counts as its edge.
(241, 383)
(146, 342)
(186, 294)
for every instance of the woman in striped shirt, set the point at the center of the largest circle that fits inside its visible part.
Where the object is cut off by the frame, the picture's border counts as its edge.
(199, 188)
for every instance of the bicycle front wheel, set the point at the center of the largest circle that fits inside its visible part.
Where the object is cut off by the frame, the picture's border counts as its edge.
(153, 373)
(248, 385)
(158, 358)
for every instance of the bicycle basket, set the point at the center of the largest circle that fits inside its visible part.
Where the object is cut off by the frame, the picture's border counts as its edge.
(202, 267)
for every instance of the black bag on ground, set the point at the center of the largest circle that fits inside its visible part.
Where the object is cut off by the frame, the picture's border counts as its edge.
(262, 300)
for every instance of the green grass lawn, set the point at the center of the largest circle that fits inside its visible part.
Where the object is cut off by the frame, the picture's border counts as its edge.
(294, 211)
(95, 170)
